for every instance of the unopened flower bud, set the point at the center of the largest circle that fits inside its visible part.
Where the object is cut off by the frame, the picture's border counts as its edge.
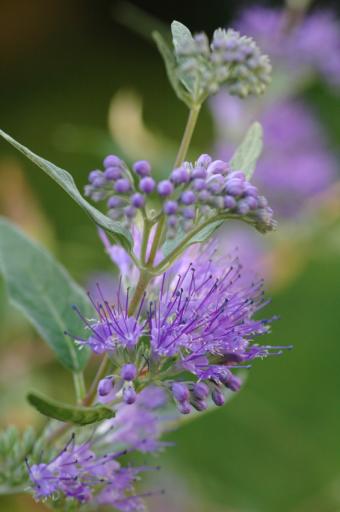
(165, 188)
(128, 372)
(180, 392)
(122, 186)
(112, 161)
(218, 397)
(142, 168)
(147, 185)
(129, 395)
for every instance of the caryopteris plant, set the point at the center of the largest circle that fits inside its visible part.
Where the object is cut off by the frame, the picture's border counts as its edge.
(182, 322)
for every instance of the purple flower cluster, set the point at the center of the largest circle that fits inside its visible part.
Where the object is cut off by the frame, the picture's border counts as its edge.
(78, 473)
(311, 45)
(193, 192)
(231, 59)
(296, 163)
(201, 323)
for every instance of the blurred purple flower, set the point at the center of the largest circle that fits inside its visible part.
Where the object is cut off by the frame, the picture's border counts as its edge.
(78, 472)
(296, 163)
(311, 45)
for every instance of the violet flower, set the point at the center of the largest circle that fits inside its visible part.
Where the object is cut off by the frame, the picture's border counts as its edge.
(295, 164)
(199, 319)
(78, 473)
(313, 45)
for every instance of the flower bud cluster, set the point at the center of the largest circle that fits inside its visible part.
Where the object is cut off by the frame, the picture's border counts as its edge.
(230, 59)
(111, 385)
(193, 192)
(211, 187)
(195, 395)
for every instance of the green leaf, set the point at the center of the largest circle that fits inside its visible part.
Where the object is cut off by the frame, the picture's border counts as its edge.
(181, 36)
(45, 293)
(171, 68)
(66, 181)
(248, 152)
(68, 413)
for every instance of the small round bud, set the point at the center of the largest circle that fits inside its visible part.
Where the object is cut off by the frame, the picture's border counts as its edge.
(165, 188)
(184, 408)
(147, 185)
(105, 386)
(114, 202)
(130, 211)
(180, 175)
(199, 184)
(251, 202)
(250, 190)
(199, 173)
(243, 207)
(218, 397)
(129, 395)
(237, 174)
(113, 173)
(142, 168)
(93, 175)
(229, 202)
(137, 200)
(200, 390)
(232, 382)
(234, 187)
(188, 212)
(215, 184)
(204, 160)
(112, 161)
(199, 405)
(122, 186)
(217, 167)
(180, 392)
(204, 196)
(188, 197)
(99, 181)
(128, 372)
(170, 207)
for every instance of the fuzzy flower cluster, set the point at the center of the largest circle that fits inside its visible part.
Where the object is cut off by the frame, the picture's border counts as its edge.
(231, 59)
(296, 163)
(78, 473)
(196, 326)
(193, 192)
(313, 44)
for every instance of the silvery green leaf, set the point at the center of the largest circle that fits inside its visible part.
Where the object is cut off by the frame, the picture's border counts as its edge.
(68, 413)
(248, 152)
(44, 292)
(171, 68)
(66, 181)
(181, 37)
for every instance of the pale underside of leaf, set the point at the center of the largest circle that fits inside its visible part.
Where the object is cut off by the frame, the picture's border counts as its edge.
(66, 181)
(249, 151)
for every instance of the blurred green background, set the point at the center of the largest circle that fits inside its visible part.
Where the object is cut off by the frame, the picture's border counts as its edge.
(276, 446)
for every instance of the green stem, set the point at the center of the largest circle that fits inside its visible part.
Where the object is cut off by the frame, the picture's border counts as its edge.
(156, 240)
(144, 279)
(90, 396)
(187, 136)
(79, 386)
(182, 152)
(145, 240)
